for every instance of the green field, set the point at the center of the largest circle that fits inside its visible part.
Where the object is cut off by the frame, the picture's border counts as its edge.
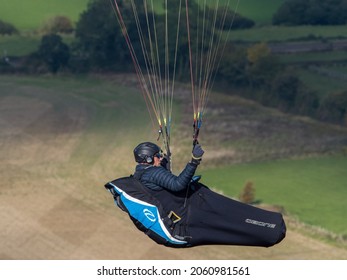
(285, 33)
(313, 189)
(29, 15)
(251, 8)
(247, 8)
(22, 45)
(17, 45)
(313, 57)
(40, 10)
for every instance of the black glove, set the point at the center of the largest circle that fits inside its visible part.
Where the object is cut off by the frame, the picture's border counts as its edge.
(165, 162)
(197, 154)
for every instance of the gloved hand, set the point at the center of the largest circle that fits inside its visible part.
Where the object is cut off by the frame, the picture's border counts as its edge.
(165, 162)
(197, 154)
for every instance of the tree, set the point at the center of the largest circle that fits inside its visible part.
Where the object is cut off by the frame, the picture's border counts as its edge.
(306, 102)
(334, 108)
(248, 193)
(311, 12)
(285, 89)
(257, 52)
(54, 52)
(227, 18)
(232, 67)
(262, 65)
(100, 38)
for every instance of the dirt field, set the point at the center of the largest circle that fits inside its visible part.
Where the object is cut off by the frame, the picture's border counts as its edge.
(53, 204)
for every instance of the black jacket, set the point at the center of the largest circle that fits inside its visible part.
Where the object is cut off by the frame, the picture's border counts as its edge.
(157, 177)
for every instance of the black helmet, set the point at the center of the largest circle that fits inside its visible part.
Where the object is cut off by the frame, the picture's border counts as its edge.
(145, 152)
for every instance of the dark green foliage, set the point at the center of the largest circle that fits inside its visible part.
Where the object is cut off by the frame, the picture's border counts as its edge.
(311, 12)
(290, 95)
(263, 71)
(334, 108)
(307, 102)
(269, 81)
(102, 43)
(99, 36)
(228, 19)
(241, 22)
(286, 88)
(7, 28)
(54, 52)
(233, 65)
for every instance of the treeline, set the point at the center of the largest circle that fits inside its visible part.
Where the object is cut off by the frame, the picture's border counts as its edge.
(100, 46)
(263, 78)
(311, 12)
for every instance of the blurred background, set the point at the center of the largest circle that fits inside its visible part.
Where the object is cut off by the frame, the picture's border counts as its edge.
(71, 112)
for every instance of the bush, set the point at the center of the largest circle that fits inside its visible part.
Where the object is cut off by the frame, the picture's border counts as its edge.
(262, 66)
(54, 52)
(248, 193)
(232, 20)
(232, 68)
(334, 108)
(306, 102)
(99, 37)
(7, 28)
(285, 88)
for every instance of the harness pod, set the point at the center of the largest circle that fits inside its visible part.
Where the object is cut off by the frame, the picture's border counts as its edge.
(146, 212)
(195, 216)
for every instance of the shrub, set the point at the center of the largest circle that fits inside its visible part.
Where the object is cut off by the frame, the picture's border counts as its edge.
(54, 52)
(248, 193)
(306, 102)
(58, 24)
(100, 39)
(7, 28)
(334, 108)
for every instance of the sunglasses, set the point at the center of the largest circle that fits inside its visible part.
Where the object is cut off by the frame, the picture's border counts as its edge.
(159, 155)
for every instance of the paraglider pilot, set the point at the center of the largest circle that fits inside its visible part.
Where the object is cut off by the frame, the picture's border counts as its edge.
(152, 172)
(179, 211)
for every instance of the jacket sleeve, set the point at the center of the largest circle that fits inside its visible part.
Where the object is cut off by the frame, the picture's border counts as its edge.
(165, 179)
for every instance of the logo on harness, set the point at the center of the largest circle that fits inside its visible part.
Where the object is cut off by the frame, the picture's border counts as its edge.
(258, 223)
(149, 215)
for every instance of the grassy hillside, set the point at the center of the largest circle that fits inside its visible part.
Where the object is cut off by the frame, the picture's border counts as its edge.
(29, 15)
(285, 33)
(259, 11)
(235, 131)
(314, 189)
(41, 10)
(62, 138)
(17, 45)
